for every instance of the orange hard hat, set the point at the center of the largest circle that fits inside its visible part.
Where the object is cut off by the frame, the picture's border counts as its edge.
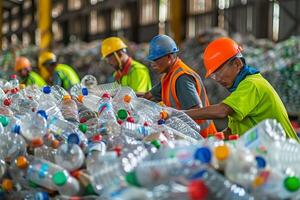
(22, 63)
(218, 52)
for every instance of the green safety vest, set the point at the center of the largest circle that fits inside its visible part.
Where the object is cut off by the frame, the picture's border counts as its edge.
(35, 79)
(67, 75)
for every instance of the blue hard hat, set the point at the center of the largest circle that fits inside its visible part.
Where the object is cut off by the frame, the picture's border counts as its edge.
(160, 46)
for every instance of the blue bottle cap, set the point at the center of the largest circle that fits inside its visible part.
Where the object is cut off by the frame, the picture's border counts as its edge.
(73, 138)
(42, 113)
(47, 89)
(261, 162)
(203, 154)
(41, 196)
(161, 121)
(16, 129)
(85, 91)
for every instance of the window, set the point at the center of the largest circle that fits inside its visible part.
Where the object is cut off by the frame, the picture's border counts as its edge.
(120, 19)
(148, 11)
(200, 6)
(57, 10)
(57, 31)
(26, 20)
(15, 25)
(15, 10)
(5, 28)
(97, 23)
(26, 39)
(74, 4)
(27, 4)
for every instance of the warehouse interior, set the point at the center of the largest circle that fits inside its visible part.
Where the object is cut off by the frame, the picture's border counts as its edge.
(74, 33)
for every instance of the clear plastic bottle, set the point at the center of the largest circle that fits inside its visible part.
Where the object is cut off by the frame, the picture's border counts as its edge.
(89, 81)
(272, 184)
(12, 145)
(105, 109)
(69, 156)
(69, 109)
(28, 195)
(135, 130)
(91, 101)
(58, 93)
(221, 188)
(41, 172)
(78, 90)
(34, 127)
(183, 127)
(46, 153)
(66, 184)
(3, 168)
(123, 98)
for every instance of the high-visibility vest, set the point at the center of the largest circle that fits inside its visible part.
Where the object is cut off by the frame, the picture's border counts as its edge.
(169, 95)
(67, 74)
(35, 79)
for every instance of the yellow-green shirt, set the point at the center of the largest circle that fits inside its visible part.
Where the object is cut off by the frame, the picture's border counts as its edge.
(138, 78)
(253, 101)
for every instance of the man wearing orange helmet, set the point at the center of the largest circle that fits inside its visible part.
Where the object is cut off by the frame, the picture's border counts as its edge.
(24, 70)
(252, 98)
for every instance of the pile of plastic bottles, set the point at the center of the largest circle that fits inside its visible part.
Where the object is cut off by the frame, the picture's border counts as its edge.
(103, 142)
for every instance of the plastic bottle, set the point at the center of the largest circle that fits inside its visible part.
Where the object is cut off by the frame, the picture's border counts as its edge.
(69, 109)
(274, 185)
(58, 93)
(34, 128)
(12, 145)
(95, 159)
(46, 153)
(241, 167)
(155, 172)
(105, 109)
(66, 184)
(69, 156)
(39, 171)
(89, 81)
(123, 98)
(3, 168)
(91, 101)
(221, 188)
(28, 195)
(57, 126)
(135, 130)
(78, 90)
(183, 127)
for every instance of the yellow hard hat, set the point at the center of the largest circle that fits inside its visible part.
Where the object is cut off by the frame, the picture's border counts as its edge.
(22, 63)
(110, 45)
(47, 57)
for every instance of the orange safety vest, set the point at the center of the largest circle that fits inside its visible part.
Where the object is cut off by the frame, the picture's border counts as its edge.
(169, 96)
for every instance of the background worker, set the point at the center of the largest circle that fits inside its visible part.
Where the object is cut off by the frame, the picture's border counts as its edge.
(128, 72)
(60, 74)
(252, 98)
(24, 70)
(180, 86)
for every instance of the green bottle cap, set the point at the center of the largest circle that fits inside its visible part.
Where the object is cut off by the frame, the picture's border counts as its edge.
(83, 127)
(292, 183)
(59, 178)
(4, 120)
(89, 190)
(155, 143)
(122, 114)
(132, 179)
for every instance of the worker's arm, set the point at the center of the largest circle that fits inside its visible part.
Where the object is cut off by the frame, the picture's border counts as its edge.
(211, 112)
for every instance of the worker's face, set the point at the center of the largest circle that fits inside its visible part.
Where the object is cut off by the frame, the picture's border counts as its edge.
(24, 72)
(112, 60)
(162, 64)
(227, 73)
(50, 66)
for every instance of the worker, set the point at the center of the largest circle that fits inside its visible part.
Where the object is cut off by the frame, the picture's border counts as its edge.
(252, 99)
(128, 72)
(28, 77)
(180, 86)
(60, 74)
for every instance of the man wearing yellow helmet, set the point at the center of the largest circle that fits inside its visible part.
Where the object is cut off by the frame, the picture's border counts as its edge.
(128, 71)
(61, 74)
(24, 70)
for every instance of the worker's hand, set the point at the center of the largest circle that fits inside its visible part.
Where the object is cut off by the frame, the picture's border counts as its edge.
(147, 95)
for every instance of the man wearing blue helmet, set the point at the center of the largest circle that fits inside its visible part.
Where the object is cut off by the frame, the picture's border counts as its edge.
(180, 86)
